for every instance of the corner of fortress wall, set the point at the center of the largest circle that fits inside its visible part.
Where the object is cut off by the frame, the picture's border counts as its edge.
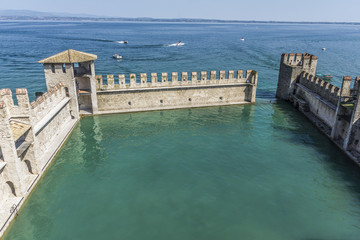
(335, 111)
(35, 110)
(291, 66)
(30, 135)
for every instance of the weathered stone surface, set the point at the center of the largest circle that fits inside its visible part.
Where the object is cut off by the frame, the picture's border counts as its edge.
(336, 110)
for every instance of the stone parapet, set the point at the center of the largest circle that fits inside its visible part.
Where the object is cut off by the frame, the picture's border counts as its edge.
(45, 103)
(143, 80)
(298, 59)
(317, 85)
(36, 109)
(22, 107)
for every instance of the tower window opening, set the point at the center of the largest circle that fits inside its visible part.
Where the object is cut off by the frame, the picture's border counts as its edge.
(67, 92)
(53, 68)
(76, 66)
(64, 68)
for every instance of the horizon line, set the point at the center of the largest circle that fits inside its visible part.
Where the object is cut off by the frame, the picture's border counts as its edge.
(151, 19)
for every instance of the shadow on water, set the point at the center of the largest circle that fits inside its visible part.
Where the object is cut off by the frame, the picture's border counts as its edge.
(296, 128)
(265, 94)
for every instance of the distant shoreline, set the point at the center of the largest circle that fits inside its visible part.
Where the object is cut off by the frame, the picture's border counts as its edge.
(155, 20)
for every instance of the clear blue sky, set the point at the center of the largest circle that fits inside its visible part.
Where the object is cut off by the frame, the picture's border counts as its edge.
(281, 10)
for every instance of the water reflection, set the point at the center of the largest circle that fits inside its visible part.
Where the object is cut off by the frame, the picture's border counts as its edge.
(92, 152)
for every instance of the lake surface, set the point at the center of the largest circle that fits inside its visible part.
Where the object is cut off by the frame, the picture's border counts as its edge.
(238, 172)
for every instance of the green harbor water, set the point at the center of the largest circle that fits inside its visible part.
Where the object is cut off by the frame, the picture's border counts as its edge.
(236, 172)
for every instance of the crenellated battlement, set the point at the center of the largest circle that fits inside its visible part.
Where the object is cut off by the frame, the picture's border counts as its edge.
(144, 80)
(45, 103)
(36, 111)
(22, 107)
(317, 85)
(291, 66)
(299, 59)
(38, 108)
(49, 95)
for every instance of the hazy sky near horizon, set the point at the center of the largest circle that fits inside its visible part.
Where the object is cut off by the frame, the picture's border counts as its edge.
(279, 10)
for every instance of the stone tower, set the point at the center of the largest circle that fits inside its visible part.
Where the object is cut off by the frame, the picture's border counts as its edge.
(76, 70)
(291, 66)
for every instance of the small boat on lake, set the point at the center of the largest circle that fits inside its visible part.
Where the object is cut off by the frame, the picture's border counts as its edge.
(179, 43)
(325, 77)
(117, 56)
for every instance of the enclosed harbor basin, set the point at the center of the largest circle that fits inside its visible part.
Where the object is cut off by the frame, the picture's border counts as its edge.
(250, 172)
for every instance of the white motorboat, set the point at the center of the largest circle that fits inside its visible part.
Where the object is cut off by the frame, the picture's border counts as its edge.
(117, 56)
(123, 42)
(179, 43)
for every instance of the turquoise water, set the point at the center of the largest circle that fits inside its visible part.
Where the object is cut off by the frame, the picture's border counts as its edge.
(242, 172)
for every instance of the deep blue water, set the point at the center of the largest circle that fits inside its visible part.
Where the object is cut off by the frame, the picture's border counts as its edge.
(257, 171)
(207, 47)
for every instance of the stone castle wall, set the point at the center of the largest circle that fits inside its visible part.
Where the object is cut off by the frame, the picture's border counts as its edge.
(321, 97)
(175, 79)
(291, 66)
(322, 88)
(49, 114)
(31, 133)
(335, 111)
(160, 92)
(45, 103)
